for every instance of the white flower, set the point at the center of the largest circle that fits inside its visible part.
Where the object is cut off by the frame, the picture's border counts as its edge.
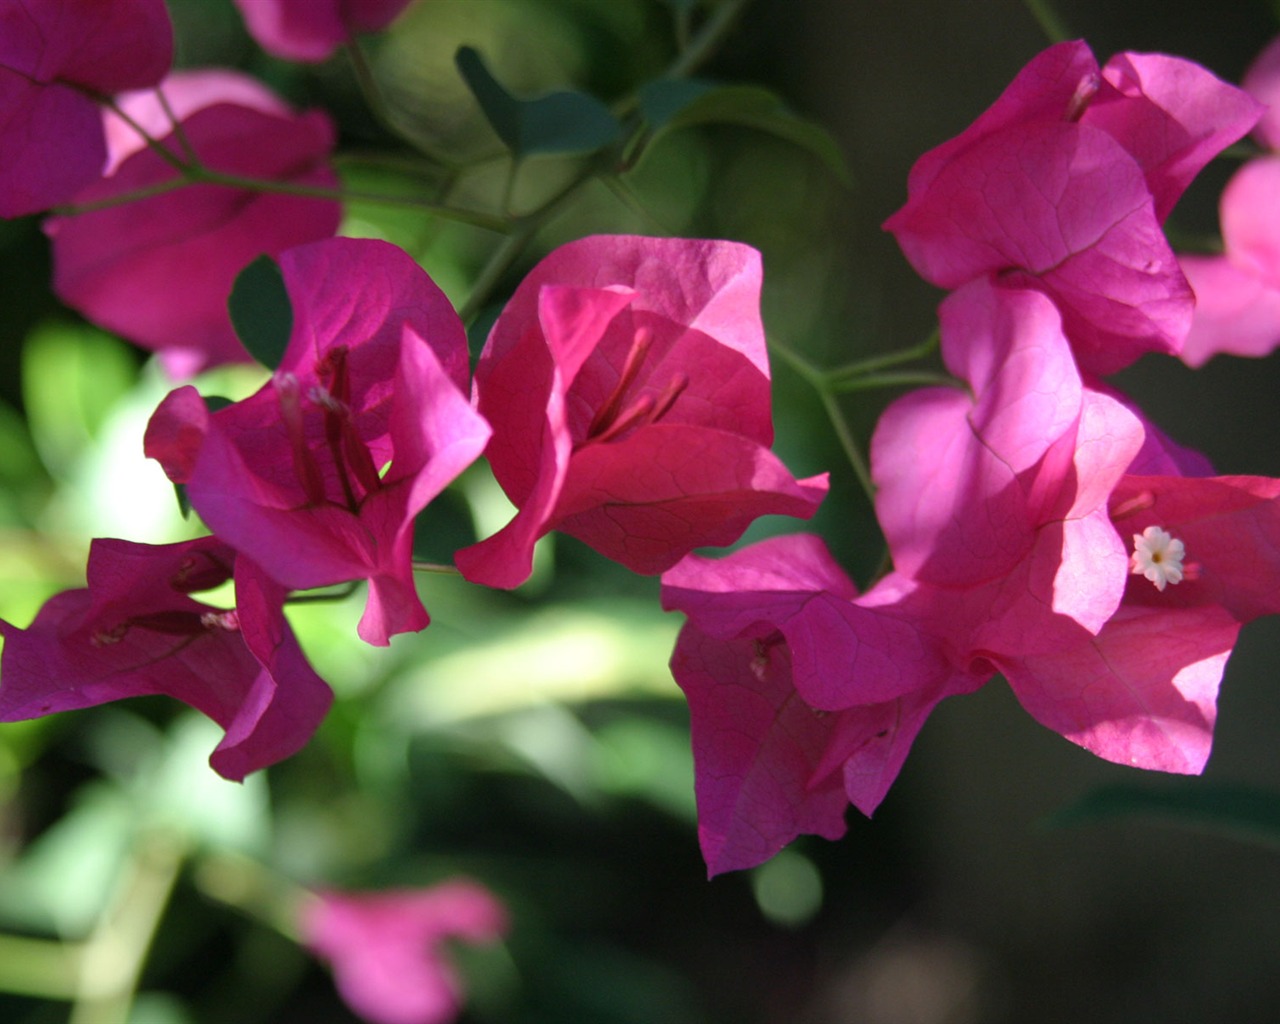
(1157, 556)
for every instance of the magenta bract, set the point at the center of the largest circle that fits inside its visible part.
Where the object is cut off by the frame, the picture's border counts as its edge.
(137, 631)
(387, 948)
(1062, 186)
(310, 30)
(1002, 494)
(802, 696)
(318, 476)
(158, 271)
(628, 387)
(56, 58)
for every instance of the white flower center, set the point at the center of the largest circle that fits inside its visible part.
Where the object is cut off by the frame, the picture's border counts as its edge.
(1157, 556)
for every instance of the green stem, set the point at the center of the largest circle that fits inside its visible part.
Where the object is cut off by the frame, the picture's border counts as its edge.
(178, 132)
(436, 567)
(708, 38)
(154, 144)
(845, 435)
(871, 381)
(1050, 24)
(863, 367)
(113, 956)
(252, 888)
(472, 217)
(820, 383)
(44, 968)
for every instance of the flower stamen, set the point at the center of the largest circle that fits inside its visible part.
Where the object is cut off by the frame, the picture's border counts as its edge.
(1158, 557)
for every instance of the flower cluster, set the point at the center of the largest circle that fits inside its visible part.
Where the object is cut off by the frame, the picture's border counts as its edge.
(1039, 526)
(623, 397)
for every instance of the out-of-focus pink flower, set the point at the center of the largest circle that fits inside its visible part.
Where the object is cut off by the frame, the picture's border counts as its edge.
(628, 387)
(1062, 186)
(318, 476)
(310, 30)
(137, 631)
(158, 270)
(387, 948)
(803, 697)
(56, 58)
(1238, 293)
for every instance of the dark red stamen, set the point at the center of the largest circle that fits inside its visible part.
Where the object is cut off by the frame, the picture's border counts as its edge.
(304, 463)
(607, 412)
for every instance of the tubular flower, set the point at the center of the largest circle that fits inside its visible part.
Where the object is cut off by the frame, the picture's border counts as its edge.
(319, 475)
(628, 387)
(136, 630)
(1062, 186)
(57, 57)
(158, 270)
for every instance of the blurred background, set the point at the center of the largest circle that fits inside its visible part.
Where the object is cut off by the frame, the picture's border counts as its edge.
(534, 741)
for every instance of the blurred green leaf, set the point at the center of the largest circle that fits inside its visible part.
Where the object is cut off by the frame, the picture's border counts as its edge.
(1245, 812)
(559, 122)
(261, 312)
(670, 103)
(183, 792)
(64, 878)
(72, 377)
(159, 1008)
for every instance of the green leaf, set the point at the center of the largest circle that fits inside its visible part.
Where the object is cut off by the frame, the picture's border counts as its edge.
(671, 103)
(1245, 812)
(261, 312)
(72, 379)
(559, 122)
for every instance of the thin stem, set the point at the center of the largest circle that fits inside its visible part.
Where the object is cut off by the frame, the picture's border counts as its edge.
(871, 381)
(473, 217)
(872, 364)
(845, 435)
(818, 380)
(171, 158)
(252, 888)
(436, 567)
(123, 199)
(1050, 24)
(708, 38)
(178, 132)
(340, 594)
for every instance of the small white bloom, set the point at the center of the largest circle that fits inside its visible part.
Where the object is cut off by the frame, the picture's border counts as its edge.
(1157, 556)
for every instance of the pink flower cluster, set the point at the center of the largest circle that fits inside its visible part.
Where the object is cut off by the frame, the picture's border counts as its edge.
(1039, 526)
